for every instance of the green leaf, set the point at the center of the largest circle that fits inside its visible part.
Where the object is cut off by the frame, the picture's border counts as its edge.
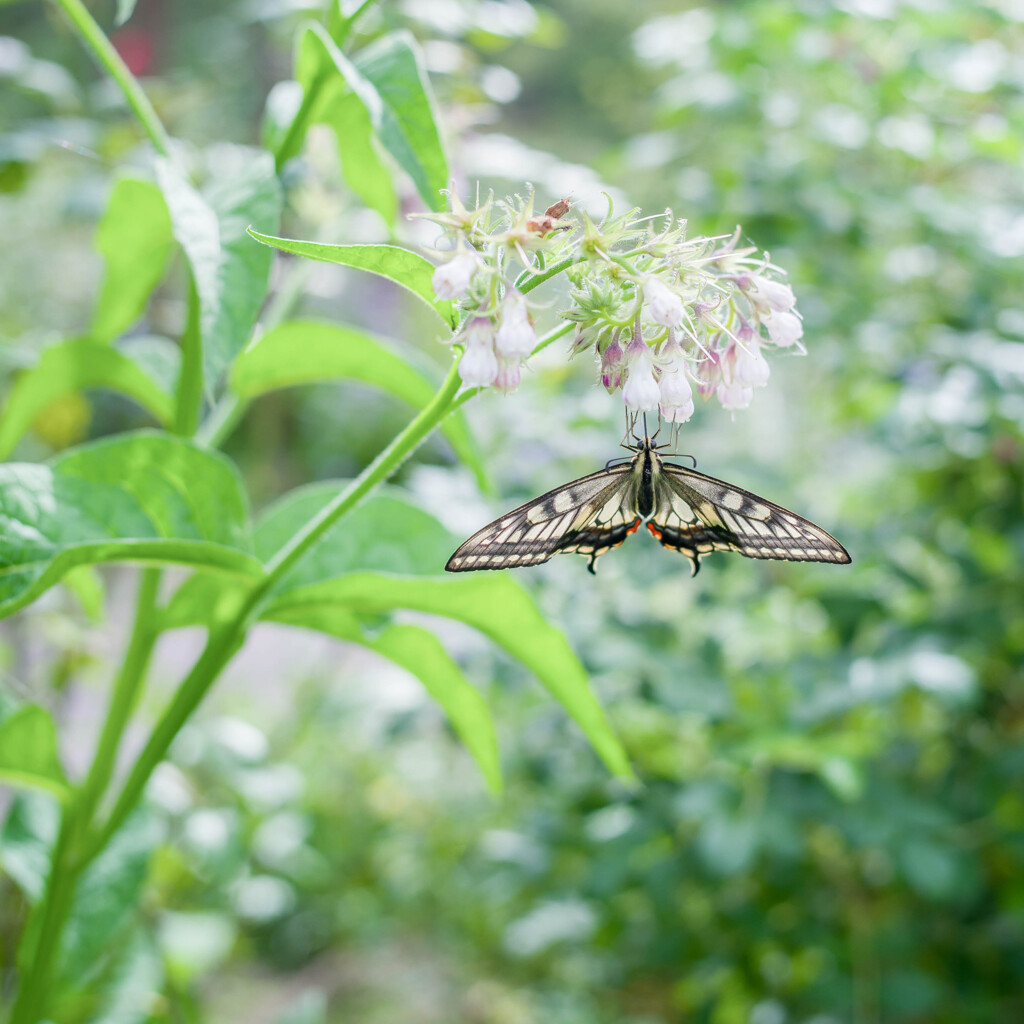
(336, 94)
(134, 238)
(230, 273)
(106, 901)
(421, 653)
(304, 351)
(28, 751)
(495, 605)
(408, 123)
(385, 533)
(130, 990)
(412, 271)
(139, 497)
(67, 368)
(26, 840)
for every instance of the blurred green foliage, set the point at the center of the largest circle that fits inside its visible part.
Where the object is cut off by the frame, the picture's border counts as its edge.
(830, 826)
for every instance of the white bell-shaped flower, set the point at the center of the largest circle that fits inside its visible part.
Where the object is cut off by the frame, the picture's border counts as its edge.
(516, 337)
(640, 392)
(451, 279)
(751, 368)
(479, 365)
(784, 328)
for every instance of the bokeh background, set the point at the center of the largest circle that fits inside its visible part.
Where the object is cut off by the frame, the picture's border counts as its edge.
(831, 823)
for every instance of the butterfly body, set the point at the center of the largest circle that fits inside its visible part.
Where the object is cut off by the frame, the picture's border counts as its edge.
(684, 510)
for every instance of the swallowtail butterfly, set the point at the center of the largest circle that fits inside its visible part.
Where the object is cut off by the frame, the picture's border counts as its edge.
(685, 510)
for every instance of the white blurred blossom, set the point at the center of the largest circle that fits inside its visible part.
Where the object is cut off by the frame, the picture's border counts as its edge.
(451, 279)
(784, 329)
(665, 307)
(479, 365)
(516, 337)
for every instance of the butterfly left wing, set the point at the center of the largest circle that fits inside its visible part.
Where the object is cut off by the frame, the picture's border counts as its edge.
(587, 516)
(697, 514)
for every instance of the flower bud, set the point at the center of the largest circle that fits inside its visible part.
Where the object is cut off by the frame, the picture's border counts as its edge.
(479, 366)
(640, 392)
(784, 329)
(515, 338)
(611, 365)
(665, 307)
(778, 295)
(451, 279)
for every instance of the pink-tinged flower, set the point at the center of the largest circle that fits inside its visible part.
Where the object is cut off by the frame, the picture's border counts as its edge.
(516, 337)
(784, 329)
(507, 379)
(612, 365)
(750, 368)
(735, 395)
(778, 295)
(479, 366)
(675, 398)
(709, 373)
(640, 391)
(451, 279)
(665, 307)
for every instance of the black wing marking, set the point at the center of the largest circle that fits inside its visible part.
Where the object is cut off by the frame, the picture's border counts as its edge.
(697, 514)
(587, 516)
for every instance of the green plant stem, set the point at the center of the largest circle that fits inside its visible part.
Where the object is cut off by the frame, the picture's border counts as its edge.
(30, 1003)
(379, 470)
(110, 59)
(66, 862)
(190, 380)
(300, 122)
(124, 695)
(226, 639)
(220, 648)
(529, 280)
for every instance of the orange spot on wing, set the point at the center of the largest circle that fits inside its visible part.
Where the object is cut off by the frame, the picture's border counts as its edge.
(654, 530)
(634, 527)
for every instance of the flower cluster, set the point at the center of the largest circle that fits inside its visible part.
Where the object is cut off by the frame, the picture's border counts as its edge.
(664, 316)
(497, 334)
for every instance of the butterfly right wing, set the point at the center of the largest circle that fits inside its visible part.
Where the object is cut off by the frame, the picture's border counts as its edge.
(587, 516)
(698, 514)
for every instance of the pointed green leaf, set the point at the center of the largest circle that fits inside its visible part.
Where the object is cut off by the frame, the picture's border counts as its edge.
(230, 273)
(408, 122)
(28, 751)
(412, 271)
(420, 653)
(139, 497)
(134, 238)
(336, 94)
(385, 533)
(495, 605)
(304, 351)
(68, 368)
